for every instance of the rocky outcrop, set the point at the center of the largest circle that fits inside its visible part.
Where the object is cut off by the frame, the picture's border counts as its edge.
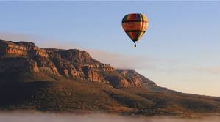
(92, 75)
(46, 65)
(70, 64)
(10, 48)
(132, 76)
(31, 65)
(137, 79)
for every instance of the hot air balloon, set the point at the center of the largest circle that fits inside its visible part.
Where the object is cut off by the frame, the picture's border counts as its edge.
(135, 25)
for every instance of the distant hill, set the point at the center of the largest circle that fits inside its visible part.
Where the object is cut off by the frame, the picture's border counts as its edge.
(47, 79)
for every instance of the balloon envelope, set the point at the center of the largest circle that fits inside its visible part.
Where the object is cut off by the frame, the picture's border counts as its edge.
(135, 25)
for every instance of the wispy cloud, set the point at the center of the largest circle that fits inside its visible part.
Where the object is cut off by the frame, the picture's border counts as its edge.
(11, 36)
(40, 41)
(212, 69)
(123, 61)
(116, 60)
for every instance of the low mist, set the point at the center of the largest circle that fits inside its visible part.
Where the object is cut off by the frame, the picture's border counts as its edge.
(55, 117)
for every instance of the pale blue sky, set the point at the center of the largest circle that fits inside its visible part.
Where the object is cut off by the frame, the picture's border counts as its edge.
(180, 49)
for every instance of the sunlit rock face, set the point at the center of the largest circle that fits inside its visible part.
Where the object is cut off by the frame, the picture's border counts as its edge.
(10, 48)
(70, 64)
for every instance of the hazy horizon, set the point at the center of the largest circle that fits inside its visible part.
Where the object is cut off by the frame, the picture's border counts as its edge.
(180, 50)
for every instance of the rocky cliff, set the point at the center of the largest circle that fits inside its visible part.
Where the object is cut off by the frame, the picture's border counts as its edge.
(72, 64)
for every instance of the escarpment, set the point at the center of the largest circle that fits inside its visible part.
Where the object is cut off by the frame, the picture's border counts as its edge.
(69, 64)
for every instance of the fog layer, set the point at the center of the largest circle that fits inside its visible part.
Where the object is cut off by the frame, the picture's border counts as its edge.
(53, 117)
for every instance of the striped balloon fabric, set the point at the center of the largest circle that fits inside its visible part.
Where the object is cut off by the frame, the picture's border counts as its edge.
(135, 25)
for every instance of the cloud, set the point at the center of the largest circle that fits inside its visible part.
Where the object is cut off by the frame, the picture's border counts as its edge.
(40, 41)
(120, 61)
(117, 60)
(213, 70)
(10, 36)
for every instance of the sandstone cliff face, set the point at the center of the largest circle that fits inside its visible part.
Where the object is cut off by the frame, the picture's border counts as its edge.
(70, 64)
